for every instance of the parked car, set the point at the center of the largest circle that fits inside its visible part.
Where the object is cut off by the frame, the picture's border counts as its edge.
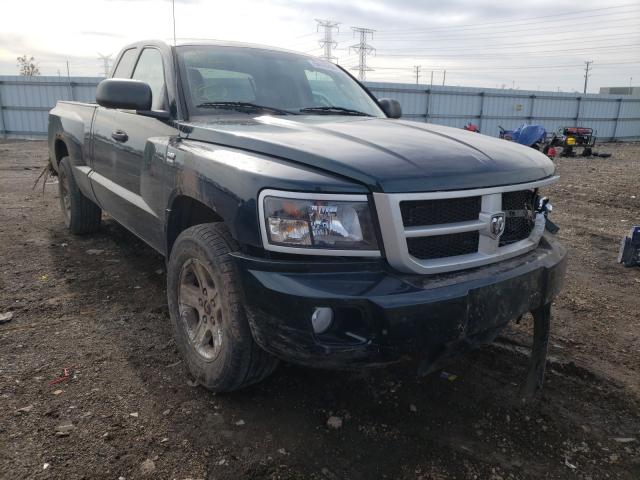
(301, 219)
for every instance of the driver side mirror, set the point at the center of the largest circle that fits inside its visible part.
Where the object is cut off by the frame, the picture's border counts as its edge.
(124, 94)
(390, 107)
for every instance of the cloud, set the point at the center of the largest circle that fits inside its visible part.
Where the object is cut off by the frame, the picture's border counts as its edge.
(474, 39)
(102, 34)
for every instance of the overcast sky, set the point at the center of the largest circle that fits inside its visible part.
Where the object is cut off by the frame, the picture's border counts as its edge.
(533, 45)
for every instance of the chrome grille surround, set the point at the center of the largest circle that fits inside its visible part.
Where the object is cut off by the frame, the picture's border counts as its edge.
(395, 234)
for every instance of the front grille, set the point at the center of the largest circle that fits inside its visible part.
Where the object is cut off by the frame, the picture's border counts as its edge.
(518, 207)
(450, 245)
(416, 213)
(520, 200)
(448, 231)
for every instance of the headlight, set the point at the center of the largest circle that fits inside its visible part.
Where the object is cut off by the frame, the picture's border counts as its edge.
(322, 224)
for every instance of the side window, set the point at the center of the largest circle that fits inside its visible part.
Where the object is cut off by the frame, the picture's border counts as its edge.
(149, 69)
(125, 65)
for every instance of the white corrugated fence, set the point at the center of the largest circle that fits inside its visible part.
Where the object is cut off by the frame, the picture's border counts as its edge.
(25, 101)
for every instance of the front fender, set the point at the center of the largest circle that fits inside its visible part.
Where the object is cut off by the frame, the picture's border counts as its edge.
(228, 180)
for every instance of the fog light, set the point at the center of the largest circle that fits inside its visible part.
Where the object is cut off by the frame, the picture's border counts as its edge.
(322, 319)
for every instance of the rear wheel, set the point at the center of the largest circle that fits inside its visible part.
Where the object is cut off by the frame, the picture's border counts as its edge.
(81, 215)
(206, 306)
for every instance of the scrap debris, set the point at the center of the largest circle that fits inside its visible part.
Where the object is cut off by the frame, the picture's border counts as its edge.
(5, 317)
(629, 254)
(66, 375)
(448, 376)
(334, 422)
(47, 171)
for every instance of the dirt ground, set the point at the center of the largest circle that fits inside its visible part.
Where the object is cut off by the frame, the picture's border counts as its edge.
(97, 305)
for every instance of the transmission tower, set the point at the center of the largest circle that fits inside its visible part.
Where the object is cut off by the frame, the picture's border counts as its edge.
(363, 49)
(327, 42)
(106, 61)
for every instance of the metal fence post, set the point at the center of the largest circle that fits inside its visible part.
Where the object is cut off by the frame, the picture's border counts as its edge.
(426, 115)
(615, 125)
(578, 111)
(3, 129)
(482, 95)
(531, 105)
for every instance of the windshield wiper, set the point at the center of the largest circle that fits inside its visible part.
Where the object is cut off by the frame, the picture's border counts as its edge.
(244, 106)
(334, 110)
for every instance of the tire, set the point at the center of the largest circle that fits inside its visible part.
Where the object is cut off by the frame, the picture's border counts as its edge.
(206, 306)
(81, 215)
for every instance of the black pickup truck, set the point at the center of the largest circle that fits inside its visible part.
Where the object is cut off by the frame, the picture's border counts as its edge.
(301, 219)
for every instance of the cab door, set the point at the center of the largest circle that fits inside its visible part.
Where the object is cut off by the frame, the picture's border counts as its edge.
(129, 186)
(104, 159)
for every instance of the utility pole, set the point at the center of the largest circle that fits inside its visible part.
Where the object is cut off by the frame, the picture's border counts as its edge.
(431, 78)
(106, 60)
(69, 82)
(327, 42)
(416, 68)
(444, 77)
(586, 74)
(363, 49)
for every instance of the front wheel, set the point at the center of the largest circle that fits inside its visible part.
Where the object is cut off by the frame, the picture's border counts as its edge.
(206, 307)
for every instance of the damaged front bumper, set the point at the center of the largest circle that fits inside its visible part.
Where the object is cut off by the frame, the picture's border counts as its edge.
(381, 316)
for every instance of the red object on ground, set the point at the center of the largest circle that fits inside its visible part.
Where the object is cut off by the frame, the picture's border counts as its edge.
(66, 375)
(551, 153)
(471, 127)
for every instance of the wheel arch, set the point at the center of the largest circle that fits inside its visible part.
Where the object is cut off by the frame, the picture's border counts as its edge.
(60, 150)
(184, 212)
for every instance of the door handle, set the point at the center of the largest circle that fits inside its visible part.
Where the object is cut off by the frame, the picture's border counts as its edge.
(120, 136)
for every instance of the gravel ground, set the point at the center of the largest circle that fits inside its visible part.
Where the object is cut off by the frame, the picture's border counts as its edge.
(96, 305)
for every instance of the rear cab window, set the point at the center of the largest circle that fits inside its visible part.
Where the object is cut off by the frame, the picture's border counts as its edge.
(325, 89)
(214, 85)
(126, 63)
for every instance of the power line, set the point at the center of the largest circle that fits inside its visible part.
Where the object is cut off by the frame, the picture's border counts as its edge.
(514, 67)
(498, 52)
(520, 54)
(484, 24)
(497, 32)
(363, 49)
(625, 27)
(556, 41)
(303, 36)
(328, 42)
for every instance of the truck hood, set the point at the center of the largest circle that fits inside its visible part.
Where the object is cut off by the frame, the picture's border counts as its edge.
(386, 155)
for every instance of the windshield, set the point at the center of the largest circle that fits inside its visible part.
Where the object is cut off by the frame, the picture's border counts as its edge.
(227, 79)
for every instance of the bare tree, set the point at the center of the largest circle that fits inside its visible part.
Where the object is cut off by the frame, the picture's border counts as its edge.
(27, 66)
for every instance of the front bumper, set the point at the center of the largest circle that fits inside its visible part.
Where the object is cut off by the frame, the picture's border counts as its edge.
(382, 316)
